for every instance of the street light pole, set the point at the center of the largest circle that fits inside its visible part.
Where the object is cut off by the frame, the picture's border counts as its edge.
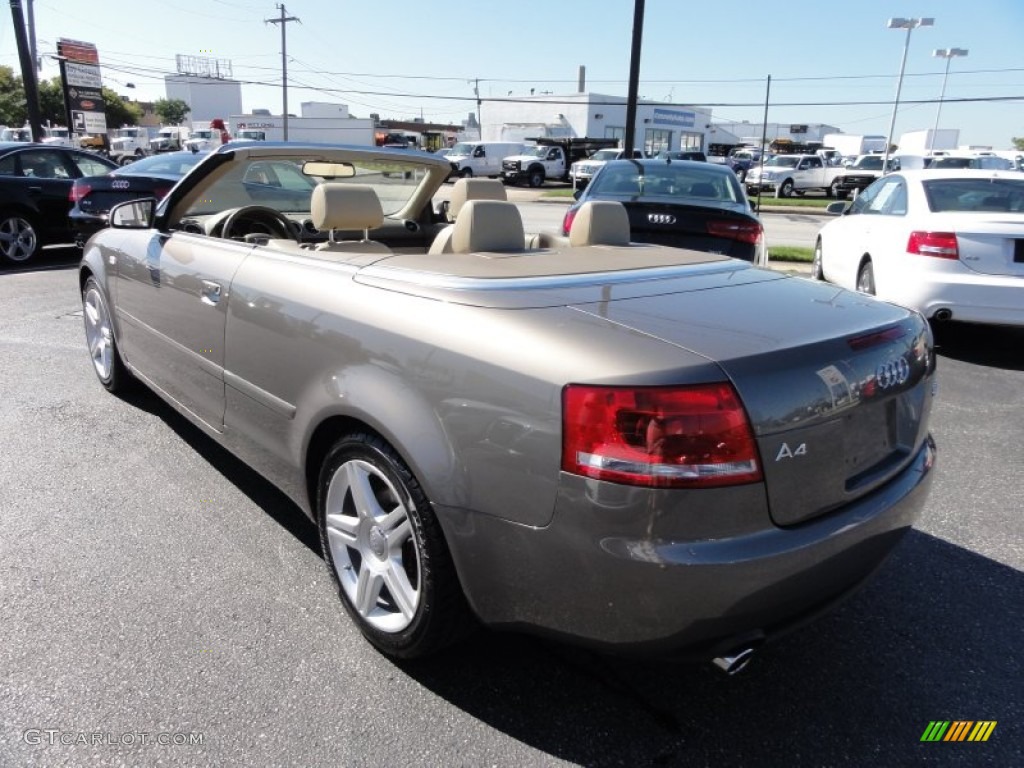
(910, 25)
(948, 54)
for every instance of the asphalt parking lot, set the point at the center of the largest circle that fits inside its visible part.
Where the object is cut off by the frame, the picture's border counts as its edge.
(151, 585)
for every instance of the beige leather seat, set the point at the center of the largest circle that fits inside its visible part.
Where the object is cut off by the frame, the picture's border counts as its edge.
(463, 191)
(488, 225)
(338, 206)
(600, 222)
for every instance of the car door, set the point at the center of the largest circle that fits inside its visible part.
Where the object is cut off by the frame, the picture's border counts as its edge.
(40, 178)
(857, 234)
(172, 304)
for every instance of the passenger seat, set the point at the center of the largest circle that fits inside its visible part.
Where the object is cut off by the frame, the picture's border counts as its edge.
(463, 191)
(341, 206)
(600, 222)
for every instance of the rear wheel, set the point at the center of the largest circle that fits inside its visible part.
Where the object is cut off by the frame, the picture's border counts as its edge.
(866, 278)
(386, 551)
(19, 240)
(816, 272)
(466, 173)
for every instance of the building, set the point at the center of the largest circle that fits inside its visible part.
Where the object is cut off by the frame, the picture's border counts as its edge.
(207, 97)
(319, 123)
(659, 126)
(732, 133)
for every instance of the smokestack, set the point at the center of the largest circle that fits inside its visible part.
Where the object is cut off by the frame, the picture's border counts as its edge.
(582, 87)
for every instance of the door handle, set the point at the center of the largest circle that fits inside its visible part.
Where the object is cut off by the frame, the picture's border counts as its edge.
(210, 292)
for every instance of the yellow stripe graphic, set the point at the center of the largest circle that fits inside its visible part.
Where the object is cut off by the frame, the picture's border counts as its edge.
(982, 730)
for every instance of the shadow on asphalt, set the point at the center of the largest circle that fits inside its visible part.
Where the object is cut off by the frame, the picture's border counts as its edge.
(994, 346)
(49, 258)
(935, 636)
(262, 493)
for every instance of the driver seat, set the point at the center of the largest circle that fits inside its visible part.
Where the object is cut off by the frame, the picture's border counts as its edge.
(341, 206)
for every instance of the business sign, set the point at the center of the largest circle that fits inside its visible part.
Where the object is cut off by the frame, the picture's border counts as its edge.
(83, 97)
(678, 117)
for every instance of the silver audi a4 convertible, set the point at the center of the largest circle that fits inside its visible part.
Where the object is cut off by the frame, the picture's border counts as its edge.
(633, 447)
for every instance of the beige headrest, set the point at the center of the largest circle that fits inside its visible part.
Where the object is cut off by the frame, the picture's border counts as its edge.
(488, 225)
(600, 222)
(474, 189)
(345, 206)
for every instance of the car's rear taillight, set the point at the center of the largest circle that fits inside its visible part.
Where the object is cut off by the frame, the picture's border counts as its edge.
(567, 221)
(743, 231)
(940, 245)
(78, 191)
(658, 437)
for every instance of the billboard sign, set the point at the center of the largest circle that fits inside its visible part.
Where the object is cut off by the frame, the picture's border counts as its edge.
(80, 77)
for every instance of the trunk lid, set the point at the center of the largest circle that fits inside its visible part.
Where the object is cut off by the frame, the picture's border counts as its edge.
(682, 226)
(837, 385)
(991, 244)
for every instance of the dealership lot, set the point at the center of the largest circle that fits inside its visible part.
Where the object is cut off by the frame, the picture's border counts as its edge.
(151, 584)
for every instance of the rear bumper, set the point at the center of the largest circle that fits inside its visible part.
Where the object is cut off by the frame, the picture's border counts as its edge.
(972, 297)
(597, 576)
(85, 225)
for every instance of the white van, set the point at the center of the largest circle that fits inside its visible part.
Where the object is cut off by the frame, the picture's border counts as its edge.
(481, 158)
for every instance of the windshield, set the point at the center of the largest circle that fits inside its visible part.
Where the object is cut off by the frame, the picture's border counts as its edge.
(282, 185)
(975, 195)
(869, 163)
(605, 155)
(535, 152)
(689, 184)
(202, 134)
(783, 161)
(174, 164)
(462, 149)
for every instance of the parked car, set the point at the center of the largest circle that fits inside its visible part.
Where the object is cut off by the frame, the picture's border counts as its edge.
(859, 174)
(948, 243)
(35, 181)
(682, 203)
(787, 175)
(92, 197)
(582, 171)
(682, 154)
(721, 451)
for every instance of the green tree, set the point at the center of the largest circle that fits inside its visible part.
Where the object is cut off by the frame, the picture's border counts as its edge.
(13, 111)
(171, 111)
(51, 102)
(119, 111)
(1018, 143)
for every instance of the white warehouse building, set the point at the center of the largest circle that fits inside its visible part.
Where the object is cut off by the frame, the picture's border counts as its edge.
(658, 126)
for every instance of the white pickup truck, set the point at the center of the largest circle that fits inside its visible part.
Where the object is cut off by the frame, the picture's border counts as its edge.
(786, 175)
(128, 144)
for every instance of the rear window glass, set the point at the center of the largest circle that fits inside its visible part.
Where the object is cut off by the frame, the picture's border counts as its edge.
(975, 195)
(668, 180)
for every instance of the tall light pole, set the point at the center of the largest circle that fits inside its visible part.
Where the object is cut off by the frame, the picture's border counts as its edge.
(910, 25)
(948, 54)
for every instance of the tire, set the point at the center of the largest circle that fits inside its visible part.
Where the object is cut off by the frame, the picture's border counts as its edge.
(19, 237)
(785, 189)
(386, 551)
(535, 178)
(99, 335)
(817, 273)
(834, 191)
(466, 173)
(866, 278)
(741, 175)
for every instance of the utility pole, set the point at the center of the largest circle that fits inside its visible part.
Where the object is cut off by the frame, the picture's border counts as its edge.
(28, 71)
(476, 92)
(283, 21)
(634, 78)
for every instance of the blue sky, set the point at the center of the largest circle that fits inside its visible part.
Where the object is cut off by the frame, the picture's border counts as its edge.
(405, 60)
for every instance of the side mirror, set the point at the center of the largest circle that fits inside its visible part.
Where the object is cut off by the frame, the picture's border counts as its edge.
(576, 194)
(838, 208)
(135, 214)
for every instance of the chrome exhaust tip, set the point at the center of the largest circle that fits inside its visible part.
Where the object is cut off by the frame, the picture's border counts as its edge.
(735, 662)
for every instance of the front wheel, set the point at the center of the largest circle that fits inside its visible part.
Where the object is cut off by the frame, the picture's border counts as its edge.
(386, 551)
(834, 191)
(19, 240)
(536, 178)
(99, 335)
(785, 189)
(866, 279)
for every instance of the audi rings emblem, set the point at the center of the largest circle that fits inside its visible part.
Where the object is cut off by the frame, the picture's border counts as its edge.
(661, 218)
(892, 373)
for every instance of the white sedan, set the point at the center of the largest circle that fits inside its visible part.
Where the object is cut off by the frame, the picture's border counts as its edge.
(948, 243)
